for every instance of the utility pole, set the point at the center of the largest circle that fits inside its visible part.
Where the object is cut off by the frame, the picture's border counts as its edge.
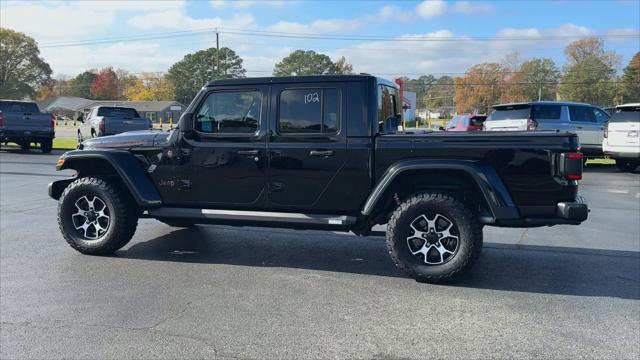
(217, 52)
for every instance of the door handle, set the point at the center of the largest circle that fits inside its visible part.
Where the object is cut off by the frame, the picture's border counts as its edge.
(249, 152)
(321, 153)
(579, 127)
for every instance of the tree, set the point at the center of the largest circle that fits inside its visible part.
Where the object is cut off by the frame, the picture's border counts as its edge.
(149, 87)
(512, 79)
(479, 88)
(105, 85)
(539, 78)
(341, 66)
(80, 86)
(22, 70)
(630, 81)
(124, 80)
(589, 74)
(302, 62)
(188, 75)
(440, 94)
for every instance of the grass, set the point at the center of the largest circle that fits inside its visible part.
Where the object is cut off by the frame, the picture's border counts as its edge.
(601, 161)
(65, 143)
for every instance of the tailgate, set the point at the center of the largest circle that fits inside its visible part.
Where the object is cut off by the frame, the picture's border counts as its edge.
(506, 125)
(119, 125)
(624, 134)
(26, 121)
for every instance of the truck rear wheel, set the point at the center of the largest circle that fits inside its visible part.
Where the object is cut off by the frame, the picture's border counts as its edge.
(626, 165)
(96, 216)
(433, 237)
(46, 145)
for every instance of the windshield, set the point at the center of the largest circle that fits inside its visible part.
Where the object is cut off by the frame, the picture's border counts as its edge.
(118, 112)
(510, 112)
(18, 106)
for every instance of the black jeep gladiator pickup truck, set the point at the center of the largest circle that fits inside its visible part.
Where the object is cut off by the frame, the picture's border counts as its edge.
(320, 152)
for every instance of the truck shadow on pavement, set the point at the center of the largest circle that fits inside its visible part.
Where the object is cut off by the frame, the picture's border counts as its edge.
(519, 268)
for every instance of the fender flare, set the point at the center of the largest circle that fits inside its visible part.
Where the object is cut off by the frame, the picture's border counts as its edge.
(494, 191)
(126, 167)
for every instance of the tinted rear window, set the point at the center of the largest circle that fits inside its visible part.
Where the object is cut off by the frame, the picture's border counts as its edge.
(549, 112)
(118, 112)
(510, 112)
(477, 120)
(626, 116)
(17, 106)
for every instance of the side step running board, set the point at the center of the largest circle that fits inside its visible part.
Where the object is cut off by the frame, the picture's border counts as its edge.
(274, 217)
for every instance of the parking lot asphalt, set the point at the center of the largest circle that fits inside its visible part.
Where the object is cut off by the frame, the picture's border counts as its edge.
(225, 292)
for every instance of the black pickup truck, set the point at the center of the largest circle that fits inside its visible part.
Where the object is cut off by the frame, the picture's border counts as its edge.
(320, 152)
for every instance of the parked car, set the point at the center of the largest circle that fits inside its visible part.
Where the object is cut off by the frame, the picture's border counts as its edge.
(467, 122)
(109, 120)
(22, 122)
(585, 120)
(621, 137)
(314, 152)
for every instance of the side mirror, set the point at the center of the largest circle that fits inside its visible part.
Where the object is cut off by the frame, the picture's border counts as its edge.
(186, 126)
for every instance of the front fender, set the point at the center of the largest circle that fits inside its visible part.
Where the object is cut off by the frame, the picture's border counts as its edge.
(121, 163)
(490, 184)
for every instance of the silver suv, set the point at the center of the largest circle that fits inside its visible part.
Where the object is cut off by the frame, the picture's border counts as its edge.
(583, 119)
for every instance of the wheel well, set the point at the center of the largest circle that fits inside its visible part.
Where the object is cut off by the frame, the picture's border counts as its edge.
(456, 183)
(100, 168)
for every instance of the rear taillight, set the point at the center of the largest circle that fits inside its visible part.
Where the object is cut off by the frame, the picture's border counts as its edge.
(531, 125)
(570, 166)
(53, 122)
(101, 126)
(1, 119)
(606, 130)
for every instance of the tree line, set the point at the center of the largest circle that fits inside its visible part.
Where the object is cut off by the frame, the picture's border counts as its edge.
(589, 75)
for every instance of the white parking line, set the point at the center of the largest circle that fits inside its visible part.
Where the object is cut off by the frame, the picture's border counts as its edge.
(616, 191)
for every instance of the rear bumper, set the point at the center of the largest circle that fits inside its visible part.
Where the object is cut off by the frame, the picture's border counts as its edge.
(8, 135)
(622, 155)
(569, 213)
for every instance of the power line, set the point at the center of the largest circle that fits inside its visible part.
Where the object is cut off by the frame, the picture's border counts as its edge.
(317, 36)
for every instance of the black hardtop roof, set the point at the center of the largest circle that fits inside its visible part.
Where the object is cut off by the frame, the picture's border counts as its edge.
(298, 79)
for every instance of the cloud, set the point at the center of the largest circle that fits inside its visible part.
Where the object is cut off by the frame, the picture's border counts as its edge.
(140, 57)
(243, 4)
(467, 7)
(318, 26)
(391, 12)
(431, 8)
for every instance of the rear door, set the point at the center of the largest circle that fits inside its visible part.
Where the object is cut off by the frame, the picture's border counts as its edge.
(624, 131)
(583, 120)
(307, 148)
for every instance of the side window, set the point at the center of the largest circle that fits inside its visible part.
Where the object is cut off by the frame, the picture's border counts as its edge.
(548, 112)
(581, 114)
(601, 116)
(230, 112)
(387, 109)
(304, 111)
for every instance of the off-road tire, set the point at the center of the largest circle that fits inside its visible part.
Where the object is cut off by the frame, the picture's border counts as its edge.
(122, 209)
(468, 228)
(626, 165)
(46, 145)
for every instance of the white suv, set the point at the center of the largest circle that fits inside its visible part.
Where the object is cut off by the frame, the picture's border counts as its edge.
(621, 137)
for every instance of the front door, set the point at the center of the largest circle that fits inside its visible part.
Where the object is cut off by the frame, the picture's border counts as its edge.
(307, 148)
(224, 164)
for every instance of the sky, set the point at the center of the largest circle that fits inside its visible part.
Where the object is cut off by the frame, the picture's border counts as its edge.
(386, 38)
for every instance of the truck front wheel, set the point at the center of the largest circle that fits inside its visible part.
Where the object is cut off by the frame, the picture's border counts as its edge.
(433, 237)
(96, 216)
